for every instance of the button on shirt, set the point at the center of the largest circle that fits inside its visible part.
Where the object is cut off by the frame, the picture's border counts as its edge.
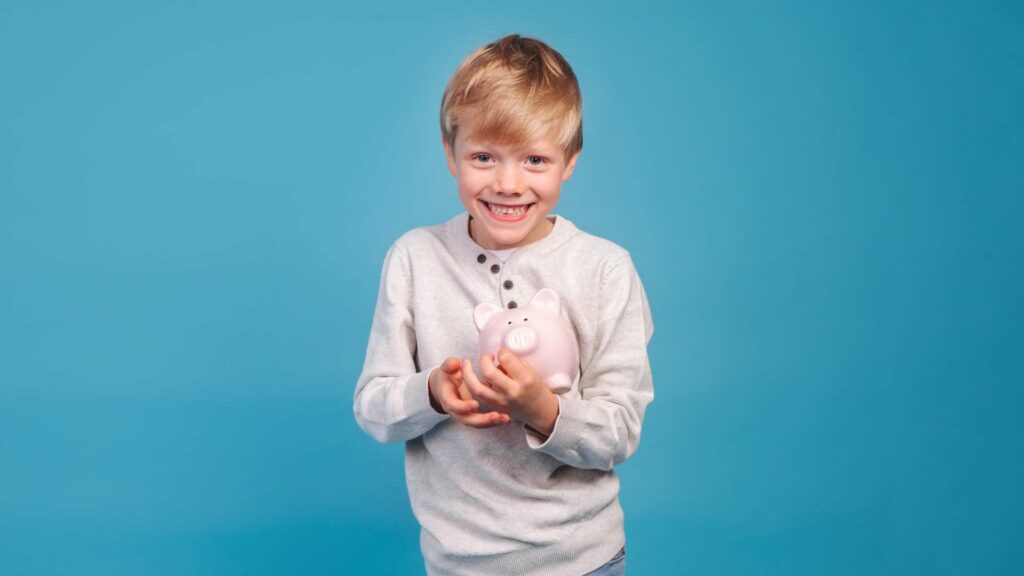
(503, 255)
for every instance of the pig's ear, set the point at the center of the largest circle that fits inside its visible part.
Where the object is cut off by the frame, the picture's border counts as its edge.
(546, 298)
(483, 312)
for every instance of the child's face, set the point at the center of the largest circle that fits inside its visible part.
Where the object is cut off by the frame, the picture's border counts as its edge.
(489, 174)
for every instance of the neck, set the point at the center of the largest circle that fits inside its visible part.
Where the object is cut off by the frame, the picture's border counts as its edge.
(547, 230)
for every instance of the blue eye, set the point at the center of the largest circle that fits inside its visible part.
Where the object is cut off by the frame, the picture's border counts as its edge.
(484, 156)
(539, 162)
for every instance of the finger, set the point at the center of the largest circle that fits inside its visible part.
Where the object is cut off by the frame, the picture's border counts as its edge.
(515, 367)
(481, 391)
(496, 377)
(451, 365)
(497, 416)
(487, 420)
(452, 401)
(464, 392)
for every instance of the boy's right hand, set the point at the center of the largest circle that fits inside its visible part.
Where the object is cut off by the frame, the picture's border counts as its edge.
(449, 394)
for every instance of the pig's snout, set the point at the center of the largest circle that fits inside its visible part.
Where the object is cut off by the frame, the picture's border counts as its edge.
(521, 339)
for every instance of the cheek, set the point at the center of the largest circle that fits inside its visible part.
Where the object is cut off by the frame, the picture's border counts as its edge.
(474, 186)
(472, 182)
(548, 186)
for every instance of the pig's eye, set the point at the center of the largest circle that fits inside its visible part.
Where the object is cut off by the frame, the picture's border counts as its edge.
(526, 319)
(509, 321)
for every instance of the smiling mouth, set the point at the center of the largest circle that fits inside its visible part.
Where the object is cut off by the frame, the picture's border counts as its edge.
(508, 213)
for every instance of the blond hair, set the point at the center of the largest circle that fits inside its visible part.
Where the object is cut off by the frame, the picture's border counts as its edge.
(512, 91)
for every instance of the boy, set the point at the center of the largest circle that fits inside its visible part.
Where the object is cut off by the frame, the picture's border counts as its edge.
(504, 476)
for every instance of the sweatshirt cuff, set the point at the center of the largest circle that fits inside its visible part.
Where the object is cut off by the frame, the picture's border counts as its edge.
(565, 435)
(417, 401)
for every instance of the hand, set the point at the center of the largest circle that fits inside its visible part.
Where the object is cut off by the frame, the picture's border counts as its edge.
(446, 387)
(514, 389)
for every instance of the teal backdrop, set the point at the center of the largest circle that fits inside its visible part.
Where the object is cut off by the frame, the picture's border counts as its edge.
(824, 201)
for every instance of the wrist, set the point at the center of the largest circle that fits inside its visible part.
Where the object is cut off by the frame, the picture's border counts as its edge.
(430, 394)
(544, 422)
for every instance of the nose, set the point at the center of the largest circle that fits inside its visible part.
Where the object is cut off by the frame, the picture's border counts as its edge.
(521, 339)
(508, 180)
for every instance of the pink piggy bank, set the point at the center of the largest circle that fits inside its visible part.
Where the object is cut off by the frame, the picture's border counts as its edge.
(536, 333)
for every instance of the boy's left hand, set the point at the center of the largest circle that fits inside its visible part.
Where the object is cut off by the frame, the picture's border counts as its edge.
(513, 388)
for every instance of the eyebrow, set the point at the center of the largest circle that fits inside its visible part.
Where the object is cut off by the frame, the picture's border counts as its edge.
(539, 150)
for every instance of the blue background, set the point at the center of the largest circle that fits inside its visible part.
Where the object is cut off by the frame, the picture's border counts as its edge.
(824, 202)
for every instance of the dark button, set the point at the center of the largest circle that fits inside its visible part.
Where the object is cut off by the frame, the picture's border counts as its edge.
(507, 284)
(512, 304)
(481, 258)
(495, 268)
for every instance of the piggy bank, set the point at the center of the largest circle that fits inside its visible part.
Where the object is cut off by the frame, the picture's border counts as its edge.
(536, 333)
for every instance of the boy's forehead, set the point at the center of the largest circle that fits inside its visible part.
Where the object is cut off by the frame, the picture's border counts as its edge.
(541, 144)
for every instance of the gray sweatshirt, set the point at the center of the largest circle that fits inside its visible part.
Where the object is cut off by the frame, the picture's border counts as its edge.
(506, 500)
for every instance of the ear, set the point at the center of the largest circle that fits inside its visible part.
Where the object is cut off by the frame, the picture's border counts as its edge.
(570, 167)
(448, 156)
(483, 313)
(548, 299)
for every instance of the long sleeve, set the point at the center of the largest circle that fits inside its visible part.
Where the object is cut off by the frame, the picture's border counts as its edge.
(602, 429)
(392, 402)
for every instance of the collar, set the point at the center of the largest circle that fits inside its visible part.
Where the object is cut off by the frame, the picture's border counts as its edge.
(457, 231)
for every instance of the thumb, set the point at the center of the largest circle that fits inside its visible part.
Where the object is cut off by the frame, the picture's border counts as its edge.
(513, 366)
(451, 365)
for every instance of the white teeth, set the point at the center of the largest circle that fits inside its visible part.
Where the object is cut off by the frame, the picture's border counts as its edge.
(502, 211)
